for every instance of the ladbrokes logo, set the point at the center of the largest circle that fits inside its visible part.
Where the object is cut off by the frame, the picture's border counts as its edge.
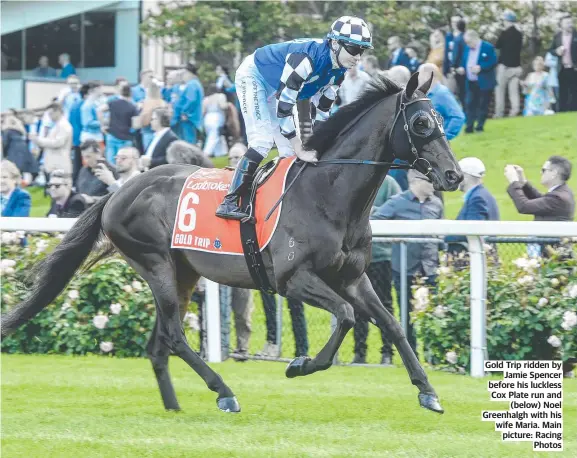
(208, 186)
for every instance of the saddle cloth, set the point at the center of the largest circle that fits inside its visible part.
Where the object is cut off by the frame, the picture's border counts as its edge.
(196, 227)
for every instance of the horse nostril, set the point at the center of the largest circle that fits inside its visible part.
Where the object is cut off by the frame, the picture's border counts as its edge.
(451, 176)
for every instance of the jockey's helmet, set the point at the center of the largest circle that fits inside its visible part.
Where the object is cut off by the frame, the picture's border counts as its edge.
(351, 30)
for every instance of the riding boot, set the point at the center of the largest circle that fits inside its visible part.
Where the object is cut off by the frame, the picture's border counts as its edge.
(242, 178)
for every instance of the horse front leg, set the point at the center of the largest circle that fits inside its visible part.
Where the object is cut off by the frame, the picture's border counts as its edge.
(306, 286)
(366, 302)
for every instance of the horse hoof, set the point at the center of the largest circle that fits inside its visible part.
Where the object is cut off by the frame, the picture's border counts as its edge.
(431, 402)
(296, 367)
(228, 404)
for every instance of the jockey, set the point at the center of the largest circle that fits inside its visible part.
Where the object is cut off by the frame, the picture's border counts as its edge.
(269, 83)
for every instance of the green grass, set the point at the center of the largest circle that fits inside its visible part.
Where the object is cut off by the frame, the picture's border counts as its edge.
(55, 406)
(527, 142)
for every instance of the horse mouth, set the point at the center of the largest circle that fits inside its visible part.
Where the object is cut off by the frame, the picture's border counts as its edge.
(448, 182)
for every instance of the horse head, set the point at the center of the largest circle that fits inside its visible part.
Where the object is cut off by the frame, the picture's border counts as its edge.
(417, 136)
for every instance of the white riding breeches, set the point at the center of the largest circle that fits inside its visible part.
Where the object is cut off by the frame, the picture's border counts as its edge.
(258, 104)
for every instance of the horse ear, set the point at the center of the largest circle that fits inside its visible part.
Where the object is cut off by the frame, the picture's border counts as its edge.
(412, 85)
(426, 86)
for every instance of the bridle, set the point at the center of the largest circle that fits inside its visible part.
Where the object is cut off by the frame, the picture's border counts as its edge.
(403, 102)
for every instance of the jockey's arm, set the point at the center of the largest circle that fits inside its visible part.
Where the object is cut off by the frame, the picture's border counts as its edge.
(322, 102)
(297, 69)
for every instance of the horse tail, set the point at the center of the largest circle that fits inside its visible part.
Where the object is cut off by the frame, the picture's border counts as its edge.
(52, 274)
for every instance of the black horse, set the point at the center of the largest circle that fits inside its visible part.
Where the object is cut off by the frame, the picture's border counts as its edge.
(318, 254)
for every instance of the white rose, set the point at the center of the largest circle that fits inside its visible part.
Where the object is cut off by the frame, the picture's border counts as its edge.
(451, 357)
(66, 306)
(8, 238)
(533, 263)
(73, 294)
(136, 285)
(8, 270)
(440, 311)
(100, 321)
(521, 263)
(554, 282)
(543, 302)
(444, 270)
(115, 308)
(192, 320)
(127, 288)
(554, 341)
(569, 320)
(573, 291)
(422, 292)
(7, 263)
(106, 346)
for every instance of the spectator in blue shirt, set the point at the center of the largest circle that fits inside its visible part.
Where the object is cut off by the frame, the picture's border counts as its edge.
(67, 68)
(417, 203)
(479, 204)
(414, 61)
(187, 113)
(75, 120)
(44, 70)
(443, 101)
(397, 53)
(70, 95)
(139, 91)
(14, 201)
(91, 127)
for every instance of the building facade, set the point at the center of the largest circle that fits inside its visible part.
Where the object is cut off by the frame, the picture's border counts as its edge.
(101, 37)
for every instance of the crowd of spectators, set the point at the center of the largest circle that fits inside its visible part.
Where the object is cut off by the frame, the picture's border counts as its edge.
(87, 144)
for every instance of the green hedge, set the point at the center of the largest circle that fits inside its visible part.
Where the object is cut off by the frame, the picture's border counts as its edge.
(107, 310)
(531, 311)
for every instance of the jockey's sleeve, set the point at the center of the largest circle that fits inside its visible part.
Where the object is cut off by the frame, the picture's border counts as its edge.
(323, 100)
(296, 71)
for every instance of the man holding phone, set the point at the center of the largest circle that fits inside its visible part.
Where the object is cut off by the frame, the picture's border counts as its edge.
(88, 184)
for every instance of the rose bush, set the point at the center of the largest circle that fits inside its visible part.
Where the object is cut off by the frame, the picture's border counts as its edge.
(531, 311)
(107, 310)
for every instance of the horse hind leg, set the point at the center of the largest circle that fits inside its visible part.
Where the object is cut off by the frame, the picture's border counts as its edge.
(158, 352)
(159, 269)
(306, 286)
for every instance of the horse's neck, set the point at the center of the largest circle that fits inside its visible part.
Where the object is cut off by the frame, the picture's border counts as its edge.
(356, 185)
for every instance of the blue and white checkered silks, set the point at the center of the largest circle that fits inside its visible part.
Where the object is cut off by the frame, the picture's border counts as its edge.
(351, 30)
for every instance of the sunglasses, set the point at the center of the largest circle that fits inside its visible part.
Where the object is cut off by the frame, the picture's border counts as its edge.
(353, 50)
(54, 185)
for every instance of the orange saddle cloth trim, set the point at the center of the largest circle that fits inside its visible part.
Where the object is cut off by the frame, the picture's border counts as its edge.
(197, 227)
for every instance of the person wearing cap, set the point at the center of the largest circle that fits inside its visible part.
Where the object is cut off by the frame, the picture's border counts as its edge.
(269, 83)
(479, 203)
(417, 203)
(187, 113)
(509, 69)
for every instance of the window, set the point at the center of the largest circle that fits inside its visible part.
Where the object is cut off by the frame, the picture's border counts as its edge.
(51, 40)
(12, 51)
(99, 38)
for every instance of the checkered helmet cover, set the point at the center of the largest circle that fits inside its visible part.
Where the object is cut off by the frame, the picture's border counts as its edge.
(351, 30)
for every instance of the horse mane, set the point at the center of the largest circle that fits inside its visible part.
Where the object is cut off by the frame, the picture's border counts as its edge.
(325, 135)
